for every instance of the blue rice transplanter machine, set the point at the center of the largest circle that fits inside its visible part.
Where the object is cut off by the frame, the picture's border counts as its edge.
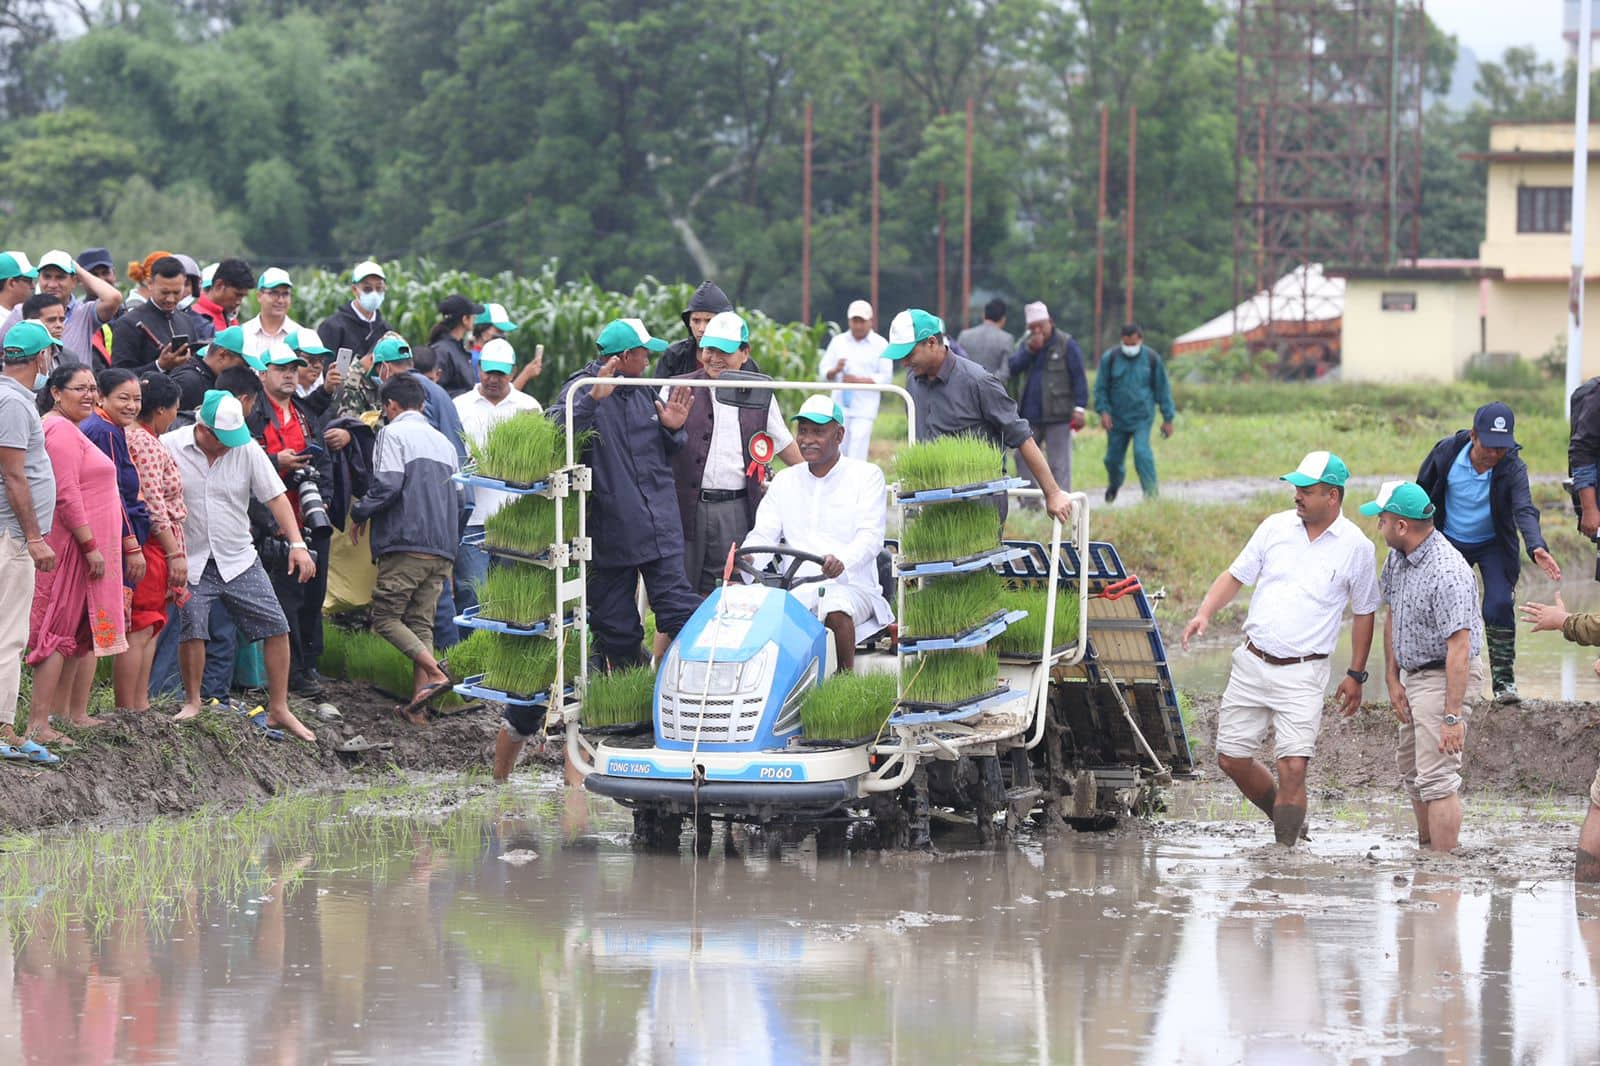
(1083, 732)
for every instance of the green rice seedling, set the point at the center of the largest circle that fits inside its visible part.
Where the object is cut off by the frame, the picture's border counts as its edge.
(523, 449)
(1027, 636)
(524, 666)
(848, 706)
(520, 595)
(528, 524)
(950, 531)
(620, 697)
(945, 606)
(946, 462)
(467, 658)
(952, 676)
(364, 656)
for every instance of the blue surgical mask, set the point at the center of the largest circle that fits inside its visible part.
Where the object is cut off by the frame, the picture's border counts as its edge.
(186, 303)
(40, 381)
(1131, 349)
(370, 301)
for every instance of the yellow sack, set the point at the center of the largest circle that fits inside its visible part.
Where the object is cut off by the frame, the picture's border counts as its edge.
(351, 574)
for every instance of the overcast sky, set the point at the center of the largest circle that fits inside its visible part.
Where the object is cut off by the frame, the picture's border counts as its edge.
(1489, 27)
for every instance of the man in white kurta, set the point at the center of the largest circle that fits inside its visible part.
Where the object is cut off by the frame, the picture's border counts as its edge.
(833, 507)
(855, 357)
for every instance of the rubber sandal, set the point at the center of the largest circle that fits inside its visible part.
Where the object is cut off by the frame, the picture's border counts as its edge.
(12, 753)
(359, 743)
(327, 712)
(423, 698)
(35, 752)
(258, 718)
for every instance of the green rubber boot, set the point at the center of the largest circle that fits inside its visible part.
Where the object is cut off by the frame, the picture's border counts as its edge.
(1502, 643)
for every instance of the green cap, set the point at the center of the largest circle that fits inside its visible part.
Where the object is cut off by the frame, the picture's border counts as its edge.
(1403, 498)
(497, 357)
(229, 340)
(306, 342)
(283, 355)
(624, 335)
(909, 329)
(25, 340)
(222, 414)
(495, 315)
(821, 410)
(391, 350)
(1323, 467)
(10, 268)
(726, 332)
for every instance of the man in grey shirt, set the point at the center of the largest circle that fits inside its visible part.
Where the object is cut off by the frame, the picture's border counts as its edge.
(954, 395)
(1432, 642)
(26, 507)
(988, 344)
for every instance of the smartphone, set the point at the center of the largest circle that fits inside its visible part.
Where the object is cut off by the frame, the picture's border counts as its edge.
(179, 340)
(341, 362)
(314, 449)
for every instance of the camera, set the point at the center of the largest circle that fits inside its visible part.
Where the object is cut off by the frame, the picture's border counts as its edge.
(313, 512)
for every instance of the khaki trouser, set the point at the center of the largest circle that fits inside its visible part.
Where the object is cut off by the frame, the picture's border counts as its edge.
(1426, 773)
(404, 600)
(16, 577)
(1594, 789)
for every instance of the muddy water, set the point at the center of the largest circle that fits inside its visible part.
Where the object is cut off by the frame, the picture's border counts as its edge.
(1548, 667)
(390, 930)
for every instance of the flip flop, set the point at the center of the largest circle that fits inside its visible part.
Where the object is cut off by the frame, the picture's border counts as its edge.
(421, 699)
(327, 712)
(9, 752)
(359, 743)
(258, 718)
(35, 752)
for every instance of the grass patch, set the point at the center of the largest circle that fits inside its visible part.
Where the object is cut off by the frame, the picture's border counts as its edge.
(524, 666)
(1027, 636)
(620, 697)
(528, 524)
(520, 595)
(467, 658)
(360, 655)
(945, 606)
(848, 706)
(946, 462)
(950, 531)
(952, 676)
(523, 449)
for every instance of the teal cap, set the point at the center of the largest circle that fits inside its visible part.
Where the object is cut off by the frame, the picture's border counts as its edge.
(283, 355)
(624, 335)
(229, 340)
(1404, 498)
(495, 315)
(25, 340)
(497, 357)
(391, 350)
(909, 329)
(1318, 467)
(10, 268)
(726, 332)
(306, 342)
(821, 410)
(222, 414)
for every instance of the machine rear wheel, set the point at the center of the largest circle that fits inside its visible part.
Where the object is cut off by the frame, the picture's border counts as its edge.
(656, 830)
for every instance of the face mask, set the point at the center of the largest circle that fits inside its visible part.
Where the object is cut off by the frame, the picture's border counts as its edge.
(370, 302)
(186, 303)
(1131, 349)
(39, 382)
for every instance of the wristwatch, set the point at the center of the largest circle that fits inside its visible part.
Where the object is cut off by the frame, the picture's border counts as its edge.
(297, 544)
(1358, 676)
(1452, 719)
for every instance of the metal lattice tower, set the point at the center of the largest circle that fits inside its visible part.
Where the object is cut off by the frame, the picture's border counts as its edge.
(1328, 152)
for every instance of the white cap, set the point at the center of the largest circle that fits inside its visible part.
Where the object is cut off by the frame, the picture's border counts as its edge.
(1035, 312)
(859, 309)
(208, 275)
(62, 261)
(22, 260)
(366, 269)
(497, 357)
(273, 278)
(726, 332)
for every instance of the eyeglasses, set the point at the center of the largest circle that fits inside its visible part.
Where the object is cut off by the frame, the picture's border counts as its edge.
(78, 388)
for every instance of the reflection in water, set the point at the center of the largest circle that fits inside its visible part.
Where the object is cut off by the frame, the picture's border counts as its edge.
(373, 928)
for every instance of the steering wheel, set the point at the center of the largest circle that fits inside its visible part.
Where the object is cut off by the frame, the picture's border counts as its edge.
(785, 579)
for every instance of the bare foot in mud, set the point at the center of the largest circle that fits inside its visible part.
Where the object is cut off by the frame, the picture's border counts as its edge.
(190, 710)
(84, 722)
(53, 737)
(286, 721)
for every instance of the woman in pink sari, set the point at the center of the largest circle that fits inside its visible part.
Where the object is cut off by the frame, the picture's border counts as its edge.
(78, 608)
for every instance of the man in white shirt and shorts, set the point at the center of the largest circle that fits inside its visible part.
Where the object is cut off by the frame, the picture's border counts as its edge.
(1306, 565)
(834, 507)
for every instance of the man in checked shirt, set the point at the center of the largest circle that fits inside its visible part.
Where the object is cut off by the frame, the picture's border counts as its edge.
(1432, 644)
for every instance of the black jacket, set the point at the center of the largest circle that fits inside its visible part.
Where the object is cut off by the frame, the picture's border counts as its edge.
(131, 346)
(193, 379)
(1510, 503)
(683, 357)
(455, 366)
(346, 329)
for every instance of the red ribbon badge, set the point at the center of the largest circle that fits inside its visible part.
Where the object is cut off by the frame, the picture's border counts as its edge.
(761, 451)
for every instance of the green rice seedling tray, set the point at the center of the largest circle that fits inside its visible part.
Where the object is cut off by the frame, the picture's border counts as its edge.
(912, 712)
(964, 565)
(973, 637)
(476, 689)
(961, 492)
(472, 618)
(557, 555)
(514, 488)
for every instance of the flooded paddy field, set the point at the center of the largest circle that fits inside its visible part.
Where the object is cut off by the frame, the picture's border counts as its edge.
(442, 921)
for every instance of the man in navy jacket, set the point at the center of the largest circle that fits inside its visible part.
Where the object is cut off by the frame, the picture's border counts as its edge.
(1479, 487)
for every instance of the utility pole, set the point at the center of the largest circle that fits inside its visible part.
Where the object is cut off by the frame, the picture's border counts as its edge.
(805, 228)
(1580, 194)
(966, 227)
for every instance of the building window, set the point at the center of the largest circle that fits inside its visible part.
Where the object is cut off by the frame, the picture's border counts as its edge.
(1399, 301)
(1544, 209)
